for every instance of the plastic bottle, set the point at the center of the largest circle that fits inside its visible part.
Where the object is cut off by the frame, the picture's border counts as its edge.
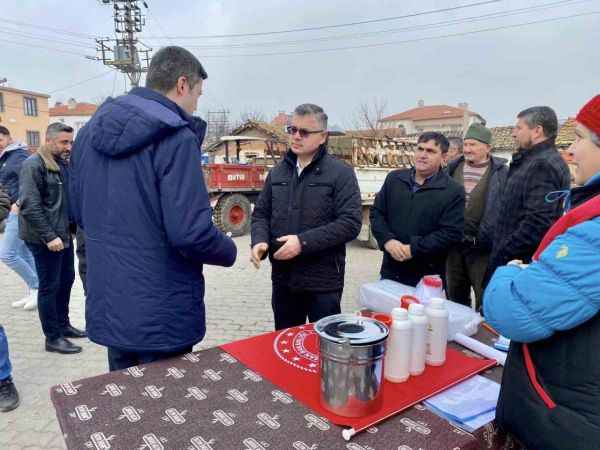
(429, 287)
(437, 332)
(398, 351)
(416, 314)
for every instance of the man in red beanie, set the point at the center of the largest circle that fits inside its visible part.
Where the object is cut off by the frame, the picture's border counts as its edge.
(550, 397)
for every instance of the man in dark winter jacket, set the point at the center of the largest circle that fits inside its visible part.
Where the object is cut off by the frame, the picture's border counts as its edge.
(537, 169)
(483, 177)
(418, 215)
(550, 309)
(307, 211)
(45, 226)
(13, 251)
(138, 192)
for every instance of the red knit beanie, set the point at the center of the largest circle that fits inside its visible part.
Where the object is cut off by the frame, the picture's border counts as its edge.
(590, 115)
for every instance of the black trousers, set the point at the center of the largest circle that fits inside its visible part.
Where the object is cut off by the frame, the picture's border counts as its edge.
(465, 268)
(56, 274)
(121, 359)
(292, 307)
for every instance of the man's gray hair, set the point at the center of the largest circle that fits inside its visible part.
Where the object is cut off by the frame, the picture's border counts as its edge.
(456, 142)
(543, 116)
(54, 129)
(170, 63)
(309, 109)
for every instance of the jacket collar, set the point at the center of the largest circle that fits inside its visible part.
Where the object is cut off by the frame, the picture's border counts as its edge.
(495, 164)
(440, 180)
(523, 154)
(12, 147)
(197, 124)
(291, 158)
(584, 193)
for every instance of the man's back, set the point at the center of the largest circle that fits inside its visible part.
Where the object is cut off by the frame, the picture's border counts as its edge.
(138, 192)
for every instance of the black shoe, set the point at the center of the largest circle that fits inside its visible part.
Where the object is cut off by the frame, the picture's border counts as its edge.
(71, 332)
(9, 397)
(62, 345)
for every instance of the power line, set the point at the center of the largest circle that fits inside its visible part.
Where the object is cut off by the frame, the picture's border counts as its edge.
(434, 25)
(42, 27)
(154, 19)
(25, 44)
(339, 25)
(383, 44)
(47, 38)
(81, 82)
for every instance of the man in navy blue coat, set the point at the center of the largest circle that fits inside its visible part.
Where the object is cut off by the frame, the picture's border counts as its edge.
(138, 192)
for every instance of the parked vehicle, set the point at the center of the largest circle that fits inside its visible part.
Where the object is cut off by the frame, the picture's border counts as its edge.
(234, 184)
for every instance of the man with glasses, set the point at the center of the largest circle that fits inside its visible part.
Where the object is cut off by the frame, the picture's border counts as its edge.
(308, 209)
(418, 215)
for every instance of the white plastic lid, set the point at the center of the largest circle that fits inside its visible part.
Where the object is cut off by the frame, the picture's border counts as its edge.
(437, 303)
(399, 314)
(416, 309)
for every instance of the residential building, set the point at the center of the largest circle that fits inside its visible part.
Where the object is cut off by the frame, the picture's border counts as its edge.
(72, 113)
(503, 144)
(25, 114)
(443, 118)
(275, 141)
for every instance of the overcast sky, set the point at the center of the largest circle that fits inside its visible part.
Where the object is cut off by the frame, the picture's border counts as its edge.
(496, 72)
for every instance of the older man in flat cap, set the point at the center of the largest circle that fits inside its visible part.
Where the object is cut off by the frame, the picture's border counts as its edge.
(483, 177)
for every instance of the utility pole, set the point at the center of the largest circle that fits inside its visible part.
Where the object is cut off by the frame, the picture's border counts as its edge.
(217, 126)
(125, 52)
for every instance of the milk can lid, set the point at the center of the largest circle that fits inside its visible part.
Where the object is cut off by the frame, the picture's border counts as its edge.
(356, 330)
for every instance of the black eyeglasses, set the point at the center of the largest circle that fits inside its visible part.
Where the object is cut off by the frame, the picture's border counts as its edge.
(292, 130)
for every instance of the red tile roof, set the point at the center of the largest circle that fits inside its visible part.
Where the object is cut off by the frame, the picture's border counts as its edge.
(79, 109)
(281, 119)
(428, 113)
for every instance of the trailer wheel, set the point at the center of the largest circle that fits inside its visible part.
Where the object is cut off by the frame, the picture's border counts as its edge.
(232, 214)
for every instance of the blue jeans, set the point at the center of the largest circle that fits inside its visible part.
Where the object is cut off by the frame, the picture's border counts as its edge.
(15, 254)
(5, 367)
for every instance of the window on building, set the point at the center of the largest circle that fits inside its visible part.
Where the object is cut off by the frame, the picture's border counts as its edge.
(30, 106)
(33, 138)
(1, 102)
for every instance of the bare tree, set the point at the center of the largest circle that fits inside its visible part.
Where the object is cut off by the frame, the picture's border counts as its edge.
(368, 115)
(252, 113)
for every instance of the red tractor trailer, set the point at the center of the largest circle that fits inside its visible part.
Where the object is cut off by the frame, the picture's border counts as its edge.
(234, 187)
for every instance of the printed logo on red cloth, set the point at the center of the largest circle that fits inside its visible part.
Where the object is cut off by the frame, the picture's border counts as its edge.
(298, 347)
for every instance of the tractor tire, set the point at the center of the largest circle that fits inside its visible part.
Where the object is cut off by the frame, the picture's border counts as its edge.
(232, 214)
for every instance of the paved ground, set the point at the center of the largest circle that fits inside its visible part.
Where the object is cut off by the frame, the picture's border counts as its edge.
(238, 306)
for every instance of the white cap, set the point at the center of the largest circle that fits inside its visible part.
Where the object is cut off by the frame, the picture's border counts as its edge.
(399, 314)
(437, 303)
(416, 309)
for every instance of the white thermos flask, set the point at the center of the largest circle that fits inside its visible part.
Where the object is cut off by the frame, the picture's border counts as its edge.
(398, 350)
(416, 314)
(437, 332)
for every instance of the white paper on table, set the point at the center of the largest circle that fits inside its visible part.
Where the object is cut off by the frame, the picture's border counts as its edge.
(467, 400)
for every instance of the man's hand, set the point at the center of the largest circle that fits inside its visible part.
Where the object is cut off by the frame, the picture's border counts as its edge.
(56, 245)
(406, 253)
(398, 250)
(14, 208)
(290, 249)
(257, 253)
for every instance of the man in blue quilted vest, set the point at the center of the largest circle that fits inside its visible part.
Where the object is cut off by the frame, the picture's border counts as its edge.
(550, 397)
